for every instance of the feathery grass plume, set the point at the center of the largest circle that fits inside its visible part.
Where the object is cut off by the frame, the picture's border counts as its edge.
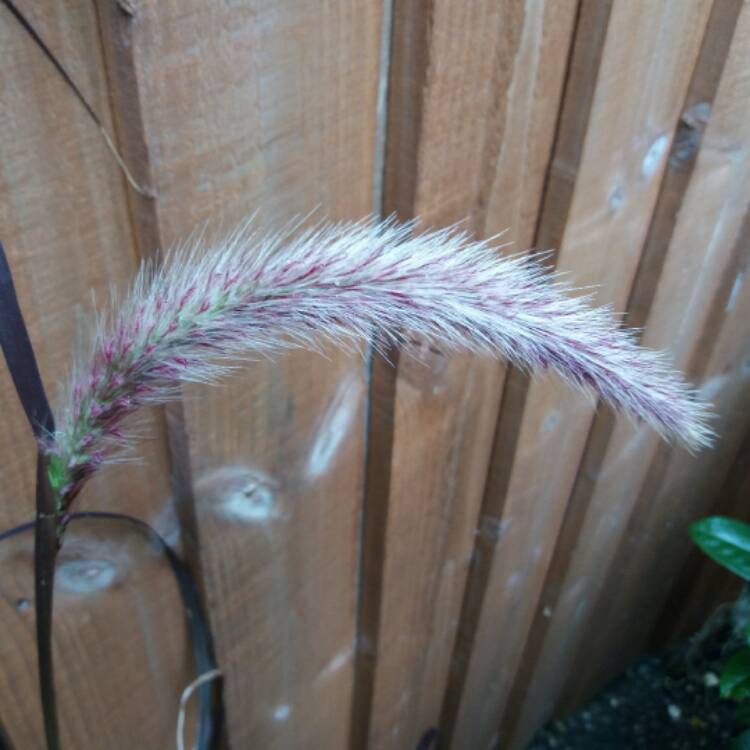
(256, 295)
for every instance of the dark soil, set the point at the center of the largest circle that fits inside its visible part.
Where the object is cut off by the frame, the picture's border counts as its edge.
(665, 702)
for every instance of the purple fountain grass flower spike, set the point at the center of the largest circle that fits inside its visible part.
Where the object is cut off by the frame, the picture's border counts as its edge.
(256, 295)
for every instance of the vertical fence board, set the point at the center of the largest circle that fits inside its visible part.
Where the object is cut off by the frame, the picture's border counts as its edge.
(504, 521)
(474, 142)
(543, 678)
(66, 229)
(440, 74)
(706, 333)
(581, 75)
(267, 106)
(640, 87)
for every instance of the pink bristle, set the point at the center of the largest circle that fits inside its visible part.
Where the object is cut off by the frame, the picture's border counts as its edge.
(252, 295)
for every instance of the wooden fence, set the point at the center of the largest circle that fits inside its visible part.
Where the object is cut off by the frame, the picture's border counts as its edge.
(382, 550)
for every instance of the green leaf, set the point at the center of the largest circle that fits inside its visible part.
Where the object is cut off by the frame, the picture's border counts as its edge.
(742, 742)
(743, 712)
(735, 676)
(726, 541)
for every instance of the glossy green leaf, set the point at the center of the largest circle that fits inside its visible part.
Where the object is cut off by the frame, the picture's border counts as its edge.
(725, 540)
(742, 742)
(735, 676)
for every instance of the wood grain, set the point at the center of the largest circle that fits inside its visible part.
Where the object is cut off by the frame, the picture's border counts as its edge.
(473, 104)
(708, 336)
(549, 681)
(268, 107)
(580, 83)
(606, 506)
(640, 87)
(119, 638)
(385, 546)
(66, 229)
